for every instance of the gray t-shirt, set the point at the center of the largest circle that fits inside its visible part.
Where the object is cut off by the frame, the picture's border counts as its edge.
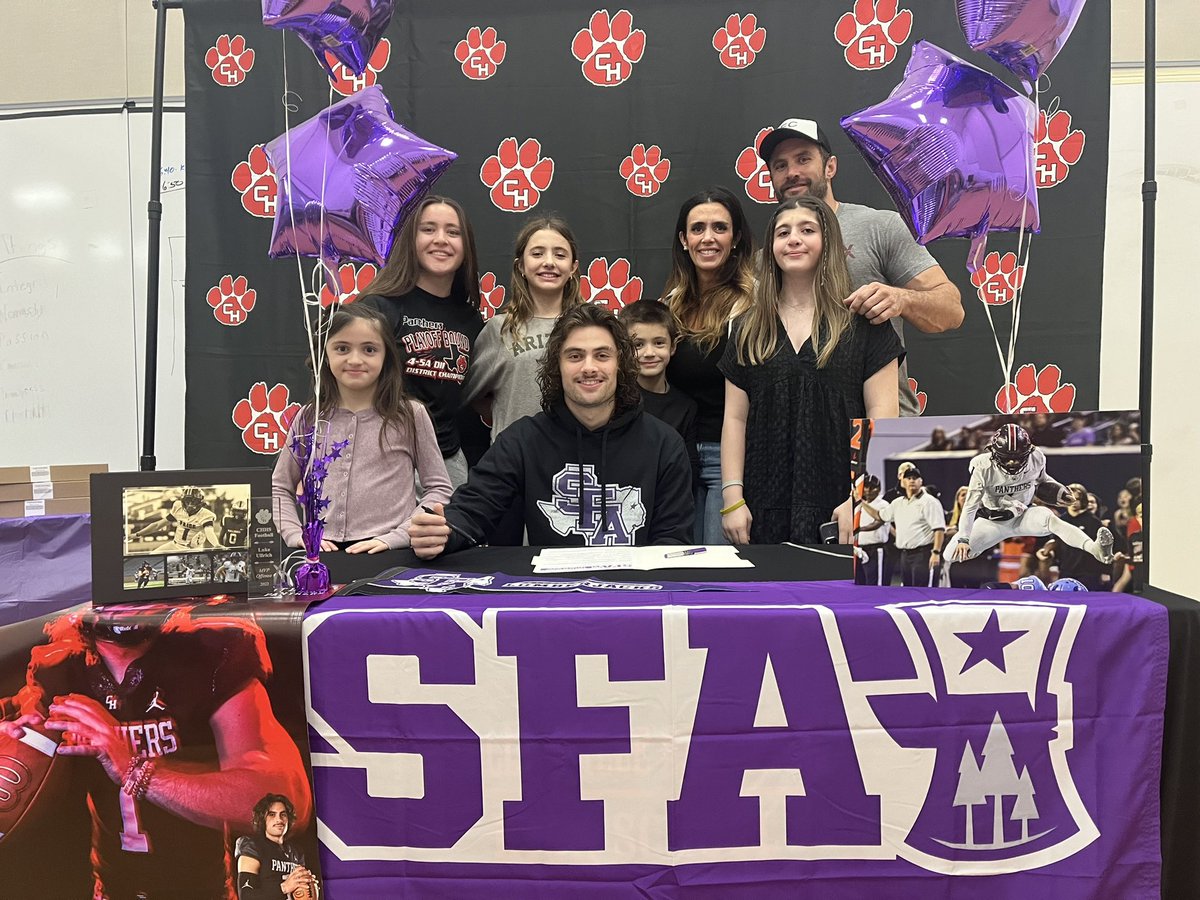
(507, 368)
(879, 247)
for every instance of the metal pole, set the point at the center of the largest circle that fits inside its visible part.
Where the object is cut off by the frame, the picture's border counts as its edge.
(153, 243)
(1149, 195)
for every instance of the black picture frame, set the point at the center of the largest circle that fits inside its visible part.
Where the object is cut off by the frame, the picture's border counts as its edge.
(147, 545)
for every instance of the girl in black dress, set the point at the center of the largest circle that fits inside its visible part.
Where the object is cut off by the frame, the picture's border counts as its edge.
(798, 367)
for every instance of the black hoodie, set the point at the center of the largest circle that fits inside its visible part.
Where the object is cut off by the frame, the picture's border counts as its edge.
(639, 461)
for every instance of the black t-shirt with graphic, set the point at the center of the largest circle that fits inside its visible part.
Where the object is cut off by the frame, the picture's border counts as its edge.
(435, 337)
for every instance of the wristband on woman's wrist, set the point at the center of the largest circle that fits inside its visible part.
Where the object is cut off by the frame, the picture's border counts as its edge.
(731, 507)
(728, 484)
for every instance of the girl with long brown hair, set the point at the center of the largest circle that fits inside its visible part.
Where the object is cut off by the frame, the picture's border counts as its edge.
(429, 293)
(371, 488)
(711, 280)
(798, 368)
(545, 284)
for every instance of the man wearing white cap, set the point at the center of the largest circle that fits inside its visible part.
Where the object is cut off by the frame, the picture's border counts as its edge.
(893, 278)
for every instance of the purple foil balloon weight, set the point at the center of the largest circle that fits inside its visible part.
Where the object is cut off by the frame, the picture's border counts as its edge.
(1021, 35)
(347, 177)
(953, 145)
(349, 29)
(314, 455)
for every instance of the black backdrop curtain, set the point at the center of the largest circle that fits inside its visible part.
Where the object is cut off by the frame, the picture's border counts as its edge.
(701, 107)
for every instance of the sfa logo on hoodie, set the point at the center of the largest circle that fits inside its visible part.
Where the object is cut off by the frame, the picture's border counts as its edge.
(605, 514)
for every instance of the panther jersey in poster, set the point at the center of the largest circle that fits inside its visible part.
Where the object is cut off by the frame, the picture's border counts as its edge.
(990, 486)
(164, 705)
(189, 527)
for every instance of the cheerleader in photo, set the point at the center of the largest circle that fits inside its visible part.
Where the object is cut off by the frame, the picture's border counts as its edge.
(371, 487)
(1005, 479)
(798, 367)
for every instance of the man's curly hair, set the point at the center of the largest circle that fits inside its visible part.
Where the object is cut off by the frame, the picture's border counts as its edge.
(259, 822)
(588, 314)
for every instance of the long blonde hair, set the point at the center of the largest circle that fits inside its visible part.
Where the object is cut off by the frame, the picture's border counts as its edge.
(705, 315)
(758, 334)
(520, 306)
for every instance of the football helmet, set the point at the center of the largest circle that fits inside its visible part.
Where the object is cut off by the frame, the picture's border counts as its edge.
(192, 499)
(1029, 583)
(1067, 584)
(240, 509)
(1010, 448)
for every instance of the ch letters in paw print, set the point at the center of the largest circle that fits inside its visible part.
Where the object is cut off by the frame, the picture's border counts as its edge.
(922, 397)
(872, 32)
(610, 286)
(229, 60)
(263, 417)
(517, 175)
(231, 299)
(346, 82)
(480, 53)
(352, 281)
(739, 41)
(753, 171)
(491, 295)
(644, 170)
(1059, 146)
(609, 47)
(254, 179)
(1036, 390)
(998, 279)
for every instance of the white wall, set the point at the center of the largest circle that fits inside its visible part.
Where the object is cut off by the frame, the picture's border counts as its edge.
(1176, 435)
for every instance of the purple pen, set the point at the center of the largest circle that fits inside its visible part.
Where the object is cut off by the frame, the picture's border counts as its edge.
(691, 552)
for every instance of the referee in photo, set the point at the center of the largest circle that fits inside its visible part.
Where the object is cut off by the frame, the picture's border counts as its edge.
(919, 523)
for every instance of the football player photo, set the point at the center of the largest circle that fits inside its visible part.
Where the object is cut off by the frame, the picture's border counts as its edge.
(1037, 495)
(186, 519)
(144, 572)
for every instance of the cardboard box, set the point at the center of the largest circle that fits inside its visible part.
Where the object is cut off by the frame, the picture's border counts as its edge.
(39, 474)
(19, 509)
(45, 490)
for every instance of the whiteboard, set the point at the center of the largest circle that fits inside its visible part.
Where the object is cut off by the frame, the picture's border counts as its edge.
(73, 232)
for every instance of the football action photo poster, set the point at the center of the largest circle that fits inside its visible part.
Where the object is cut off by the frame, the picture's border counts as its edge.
(154, 751)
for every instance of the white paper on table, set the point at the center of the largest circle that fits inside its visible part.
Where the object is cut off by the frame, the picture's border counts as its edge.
(594, 559)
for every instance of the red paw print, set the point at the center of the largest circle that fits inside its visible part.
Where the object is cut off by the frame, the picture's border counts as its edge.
(1058, 148)
(644, 170)
(999, 279)
(231, 299)
(480, 53)
(229, 60)
(871, 33)
(752, 170)
(922, 397)
(610, 286)
(345, 82)
(352, 281)
(1034, 391)
(608, 48)
(739, 41)
(264, 417)
(491, 295)
(517, 175)
(254, 179)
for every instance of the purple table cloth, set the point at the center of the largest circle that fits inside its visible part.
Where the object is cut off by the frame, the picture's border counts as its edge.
(786, 740)
(45, 565)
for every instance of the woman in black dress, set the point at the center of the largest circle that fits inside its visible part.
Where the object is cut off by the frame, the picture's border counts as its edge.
(711, 280)
(798, 367)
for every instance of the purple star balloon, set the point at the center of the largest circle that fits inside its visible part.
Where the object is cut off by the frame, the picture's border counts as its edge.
(1021, 35)
(347, 178)
(349, 29)
(953, 145)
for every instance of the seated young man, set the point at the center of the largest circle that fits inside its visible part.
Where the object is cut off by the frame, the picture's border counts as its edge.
(591, 469)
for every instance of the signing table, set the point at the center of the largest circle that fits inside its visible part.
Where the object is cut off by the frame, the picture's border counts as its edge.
(645, 737)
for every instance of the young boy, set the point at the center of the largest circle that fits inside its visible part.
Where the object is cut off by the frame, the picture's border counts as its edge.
(655, 334)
